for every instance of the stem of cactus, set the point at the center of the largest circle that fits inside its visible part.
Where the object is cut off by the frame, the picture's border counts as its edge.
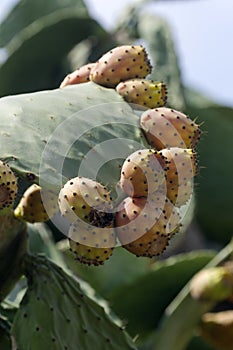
(184, 313)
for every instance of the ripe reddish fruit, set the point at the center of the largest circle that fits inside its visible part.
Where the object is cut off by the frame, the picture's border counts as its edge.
(144, 227)
(120, 64)
(80, 75)
(181, 169)
(143, 172)
(164, 127)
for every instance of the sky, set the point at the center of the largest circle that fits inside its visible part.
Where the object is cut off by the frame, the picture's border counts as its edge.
(202, 32)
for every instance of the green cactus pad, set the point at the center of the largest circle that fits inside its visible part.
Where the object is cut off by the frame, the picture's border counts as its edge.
(40, 241)
(216, 163)
(5, 341)
(56, 314)
(8, 309)
(143, 314)
(26, 12)
(61, 127)
(34, 62)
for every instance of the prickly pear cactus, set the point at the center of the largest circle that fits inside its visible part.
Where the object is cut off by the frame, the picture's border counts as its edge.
(57, 314)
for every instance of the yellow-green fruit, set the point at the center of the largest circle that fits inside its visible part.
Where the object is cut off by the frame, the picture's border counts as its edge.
(164, 127)
(8, 186)
(36, 205)
(143, 172)
(87, 200)
(142, 92)
(144, 227)
(120, 64)
(181, 169)
(92, 245)
(88, 207)
(80, 75)
(217, 329)
(212, 284)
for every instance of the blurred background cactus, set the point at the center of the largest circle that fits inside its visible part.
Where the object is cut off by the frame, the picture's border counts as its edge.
(47, 298)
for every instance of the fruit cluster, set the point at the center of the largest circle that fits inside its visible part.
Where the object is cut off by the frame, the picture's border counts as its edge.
(155, 181)
(123, 68)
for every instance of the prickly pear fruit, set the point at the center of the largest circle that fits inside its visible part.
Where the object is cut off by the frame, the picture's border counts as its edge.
(142, 173)
(8, 186)
(144, 227)
(181, 168)
(212, 284)
(87, 205)
(217, 329)
(80, 75)
(120, 64)
(164, 127)
(87, 200)
(91, 246)
(36, 205)
(142, 92)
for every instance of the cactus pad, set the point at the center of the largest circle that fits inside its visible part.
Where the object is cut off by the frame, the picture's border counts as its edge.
(61, 316)
(65, 124)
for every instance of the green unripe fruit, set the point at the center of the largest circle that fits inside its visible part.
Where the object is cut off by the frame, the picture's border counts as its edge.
(212, 285)
(92, 245)
(87, 205)
(142, 92)
(36, 205)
